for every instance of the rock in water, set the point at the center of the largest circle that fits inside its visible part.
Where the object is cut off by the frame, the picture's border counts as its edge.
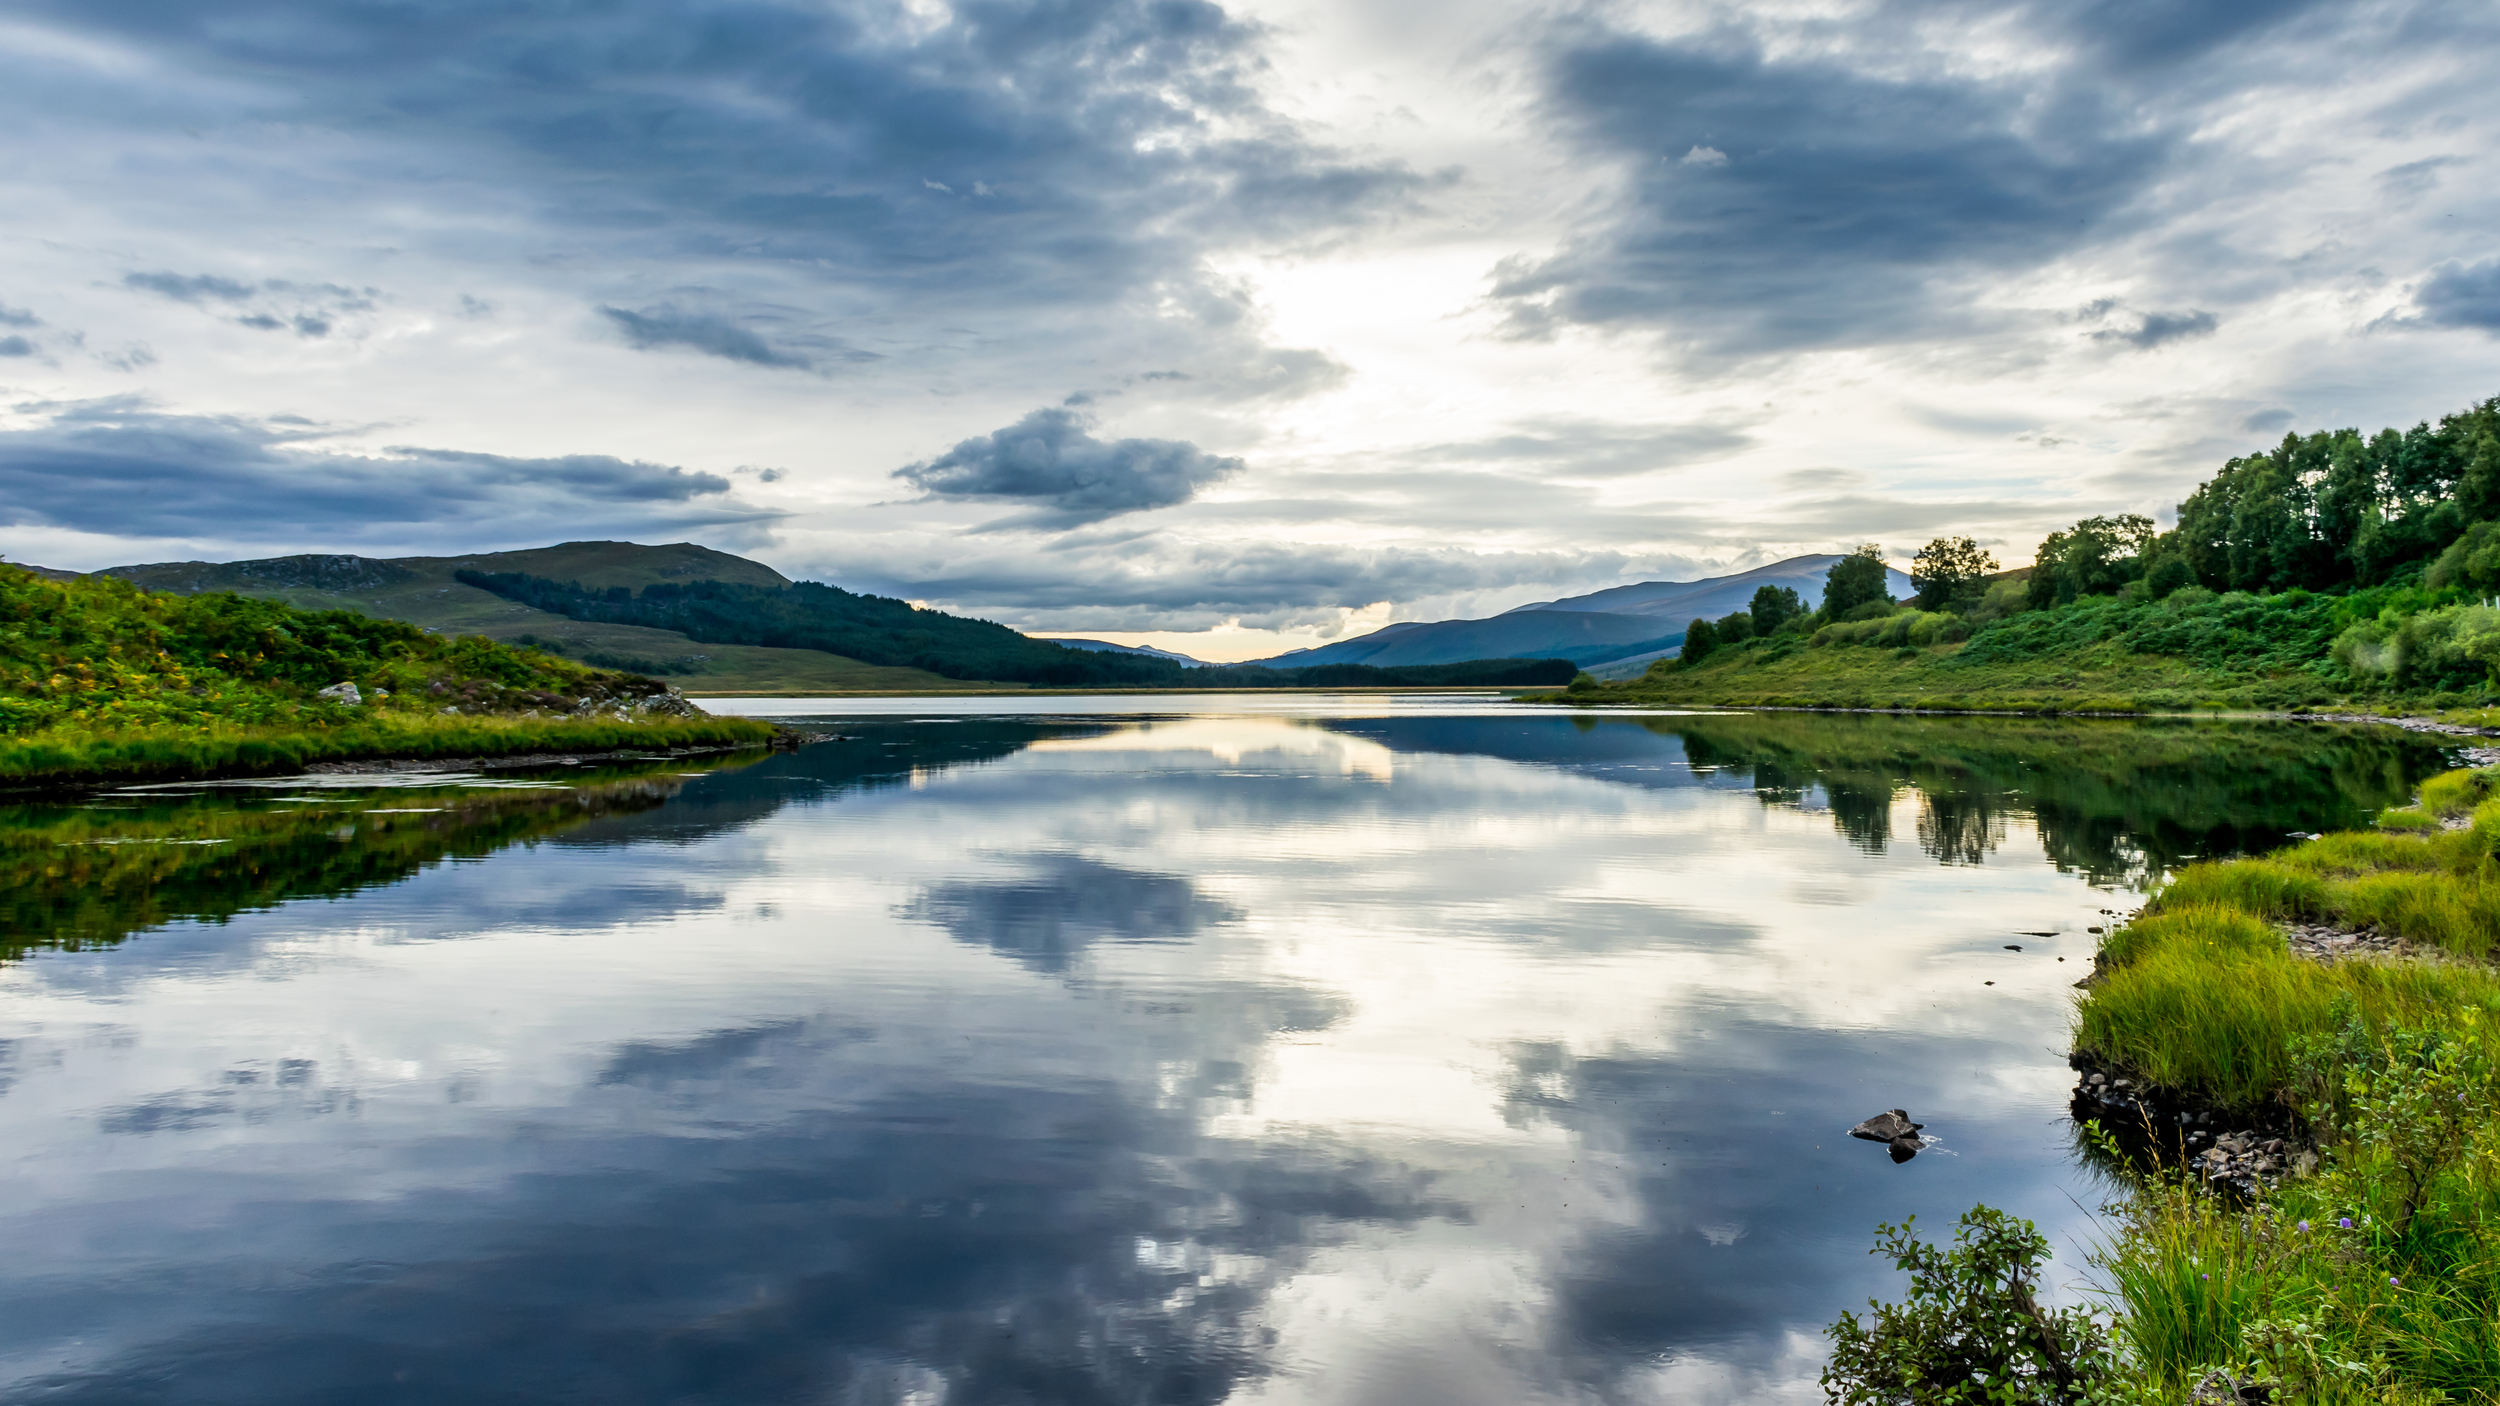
(1888, 1126)
(1906, 1147)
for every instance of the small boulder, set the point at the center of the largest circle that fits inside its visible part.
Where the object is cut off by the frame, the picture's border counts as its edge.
(1892, 1126)
(341, 693)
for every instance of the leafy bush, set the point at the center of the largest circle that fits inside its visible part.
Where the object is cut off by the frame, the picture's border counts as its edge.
(1971, 1328)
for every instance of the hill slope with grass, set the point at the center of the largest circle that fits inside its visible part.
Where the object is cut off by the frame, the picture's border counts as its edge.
(2334, 569)
(426, 592)
(100, 678)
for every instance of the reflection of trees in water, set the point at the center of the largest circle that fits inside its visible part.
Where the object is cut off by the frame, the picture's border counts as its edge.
(1957, 827)
(2121, 802)
(75, 876)
(1863, 811)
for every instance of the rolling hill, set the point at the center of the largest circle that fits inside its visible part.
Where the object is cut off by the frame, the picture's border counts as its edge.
(424, 591)
(1604, 631)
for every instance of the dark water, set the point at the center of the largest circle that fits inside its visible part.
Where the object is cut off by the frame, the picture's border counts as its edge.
(1316, 1059)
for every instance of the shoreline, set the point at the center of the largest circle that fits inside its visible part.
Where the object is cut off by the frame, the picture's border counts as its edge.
(306, 753)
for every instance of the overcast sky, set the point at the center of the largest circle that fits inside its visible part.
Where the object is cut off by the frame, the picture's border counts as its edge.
(1223, 327)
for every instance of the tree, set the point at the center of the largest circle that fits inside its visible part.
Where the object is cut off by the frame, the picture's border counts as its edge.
(1853, 581)
(1774, 606)
(1735, 627)
(2169, 572)
(1700, 638)
(2096, 557)
(1950, 573)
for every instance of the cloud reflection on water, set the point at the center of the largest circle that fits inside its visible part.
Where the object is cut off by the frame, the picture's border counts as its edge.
(1196, 1060)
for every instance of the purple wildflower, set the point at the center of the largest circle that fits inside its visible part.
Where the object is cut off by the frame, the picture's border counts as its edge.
(2344, 1221)
(2304, 1227)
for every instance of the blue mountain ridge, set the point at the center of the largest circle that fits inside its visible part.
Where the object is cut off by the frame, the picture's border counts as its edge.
(1107, 647)
(1613, 627)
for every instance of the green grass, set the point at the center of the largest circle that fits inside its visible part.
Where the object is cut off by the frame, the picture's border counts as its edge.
(422, 591)
(62, 755)
(101, 679)
(2100, 654)
(2378, 1277)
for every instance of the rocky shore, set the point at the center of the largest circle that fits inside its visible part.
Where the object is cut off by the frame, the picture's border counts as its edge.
(2245, 1149)
(2240, 1148)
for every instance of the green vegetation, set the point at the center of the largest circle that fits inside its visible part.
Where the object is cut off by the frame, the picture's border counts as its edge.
(98, 677)
(880, 630)
(807, 615)
(2331, 569)
(1971, 1330)
(423, 592)
(2375, 1277)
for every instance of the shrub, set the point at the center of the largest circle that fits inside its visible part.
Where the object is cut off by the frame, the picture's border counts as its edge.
(1971, 1329)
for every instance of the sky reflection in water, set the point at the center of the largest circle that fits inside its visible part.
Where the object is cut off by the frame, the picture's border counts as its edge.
(1377, 1059)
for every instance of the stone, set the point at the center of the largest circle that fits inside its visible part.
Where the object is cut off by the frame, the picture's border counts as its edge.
(1889, 1126)
(341, 693)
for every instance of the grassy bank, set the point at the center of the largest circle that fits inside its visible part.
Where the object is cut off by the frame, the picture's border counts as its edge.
(2125, 653)
(101, 679)
(2376, 1276)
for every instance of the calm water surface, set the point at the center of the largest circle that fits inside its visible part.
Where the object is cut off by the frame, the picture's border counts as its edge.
(1294, 1051)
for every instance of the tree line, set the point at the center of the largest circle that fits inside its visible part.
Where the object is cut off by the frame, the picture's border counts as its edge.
(2333, 511)
(2328, 511)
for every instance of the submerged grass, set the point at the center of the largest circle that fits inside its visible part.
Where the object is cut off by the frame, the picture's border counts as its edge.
(2377, 1277)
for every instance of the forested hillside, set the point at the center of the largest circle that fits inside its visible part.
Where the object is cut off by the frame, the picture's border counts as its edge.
(881, 630)
(98, 676)
(2335, 566)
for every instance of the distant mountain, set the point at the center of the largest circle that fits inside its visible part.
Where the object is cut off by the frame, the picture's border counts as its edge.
(49, 573)
(1107, 647)
(1583, 637)
(725, 624)
(1714, 596)
(1613, 626)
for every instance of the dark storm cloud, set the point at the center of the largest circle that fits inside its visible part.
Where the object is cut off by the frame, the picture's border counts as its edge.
(662, 327)
(1846, 192)
(1061, 153)
(1773, 205)
(1047, 460)
(2462, 295)
(120, 468)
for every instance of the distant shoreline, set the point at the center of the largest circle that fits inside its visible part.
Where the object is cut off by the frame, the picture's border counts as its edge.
(1508, 691)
